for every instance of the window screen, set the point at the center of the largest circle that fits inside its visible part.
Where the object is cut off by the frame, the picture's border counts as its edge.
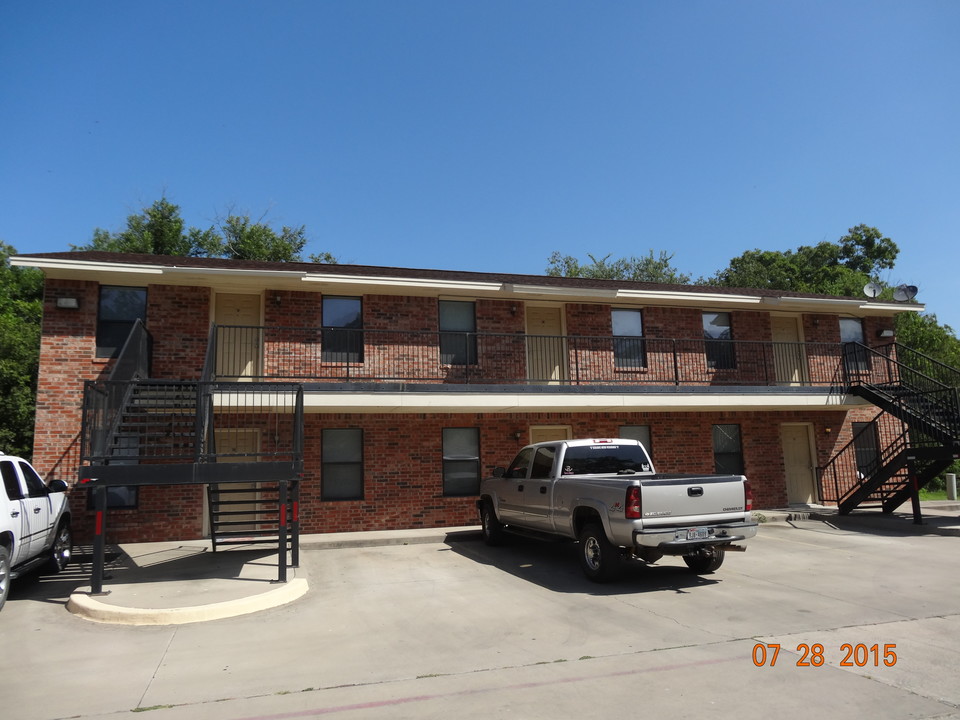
(118, 310)
(727, 450)
(461, 461)
(341, 467)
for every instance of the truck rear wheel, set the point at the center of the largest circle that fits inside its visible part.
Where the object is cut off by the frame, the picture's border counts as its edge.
(490, 526)
(705, 561)
(599, 558)
(4, 574)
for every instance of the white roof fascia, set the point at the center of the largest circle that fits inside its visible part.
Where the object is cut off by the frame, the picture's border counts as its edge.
(233, 272)
(679, 297)
(560, 291)
(403, 282)
(56, 264)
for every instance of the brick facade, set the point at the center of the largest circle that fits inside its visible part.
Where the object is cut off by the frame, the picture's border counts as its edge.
(403, 458)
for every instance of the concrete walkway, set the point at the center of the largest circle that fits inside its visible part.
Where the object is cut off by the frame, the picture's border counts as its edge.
(172, 583)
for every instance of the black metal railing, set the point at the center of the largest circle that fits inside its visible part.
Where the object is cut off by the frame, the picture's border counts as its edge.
(912, 386)
(315, 354)
(161, 421)
(103, 400)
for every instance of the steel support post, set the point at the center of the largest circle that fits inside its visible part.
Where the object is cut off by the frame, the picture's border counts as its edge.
(99, 544)
(282, 549)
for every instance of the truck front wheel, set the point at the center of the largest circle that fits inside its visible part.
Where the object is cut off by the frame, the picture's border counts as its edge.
(490, 526)
(705, 561)
(599, 558)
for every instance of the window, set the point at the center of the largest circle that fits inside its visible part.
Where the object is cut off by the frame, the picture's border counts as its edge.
(604, 459)
(10, 480)
(121, 497)
(119, 309)
(852, 338)
(638, 432)
(866, 448)
(520, 465)
(342, 329)
(629, 349)
(718, 339)
(727, 450)
(458, 328)
(341, 466)
(543, 463)
(35, 486)
(461, 461)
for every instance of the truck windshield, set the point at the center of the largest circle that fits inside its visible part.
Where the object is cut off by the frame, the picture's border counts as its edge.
(605, 459)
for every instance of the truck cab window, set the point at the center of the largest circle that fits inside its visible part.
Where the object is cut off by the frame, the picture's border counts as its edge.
(543, 463)
(518, 468)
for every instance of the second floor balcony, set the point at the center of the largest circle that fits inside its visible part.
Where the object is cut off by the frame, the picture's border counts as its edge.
(343, 355)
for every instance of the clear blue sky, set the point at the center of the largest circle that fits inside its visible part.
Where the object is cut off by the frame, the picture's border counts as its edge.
(485, 135)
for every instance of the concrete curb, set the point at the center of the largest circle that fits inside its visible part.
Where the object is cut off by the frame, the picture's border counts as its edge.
(81, 603)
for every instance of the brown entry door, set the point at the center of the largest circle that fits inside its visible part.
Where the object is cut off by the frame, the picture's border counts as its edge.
(798, 464)
(546, 347)
(239, 337)
(788, 356)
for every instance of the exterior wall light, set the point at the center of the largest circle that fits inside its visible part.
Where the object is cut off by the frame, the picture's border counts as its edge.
(68, 303)
(885, 333)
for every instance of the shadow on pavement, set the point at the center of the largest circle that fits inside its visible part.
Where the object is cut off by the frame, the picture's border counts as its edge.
(555, 566)
(169, 562)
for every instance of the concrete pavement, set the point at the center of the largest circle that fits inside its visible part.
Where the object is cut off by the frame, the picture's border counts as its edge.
(184, 582)
(451, 628)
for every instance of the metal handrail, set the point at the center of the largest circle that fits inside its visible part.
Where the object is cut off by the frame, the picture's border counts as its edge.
(375, 355)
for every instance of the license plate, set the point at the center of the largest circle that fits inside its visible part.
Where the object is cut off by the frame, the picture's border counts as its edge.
(698, 533)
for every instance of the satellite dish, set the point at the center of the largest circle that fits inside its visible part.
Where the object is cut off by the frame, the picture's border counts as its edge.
(871, 289)
(905, 293)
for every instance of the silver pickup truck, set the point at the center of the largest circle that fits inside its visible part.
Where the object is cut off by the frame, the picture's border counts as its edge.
(605, 494)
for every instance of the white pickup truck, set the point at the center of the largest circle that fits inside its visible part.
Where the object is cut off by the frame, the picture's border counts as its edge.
(34, 522)
(605, 494)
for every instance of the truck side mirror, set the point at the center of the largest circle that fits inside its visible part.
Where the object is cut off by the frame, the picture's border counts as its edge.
(56, 486)
(499, 472)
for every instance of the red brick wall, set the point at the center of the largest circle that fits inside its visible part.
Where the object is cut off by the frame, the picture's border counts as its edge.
(403, 485)
(178, 318)
(67, 349)
(403, 469)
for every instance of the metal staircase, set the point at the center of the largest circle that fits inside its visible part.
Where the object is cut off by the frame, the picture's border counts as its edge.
(142, 431)
(920, 401)
(250, 515)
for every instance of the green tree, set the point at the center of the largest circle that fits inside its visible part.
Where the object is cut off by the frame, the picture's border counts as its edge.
(241, 239)
(21, 308)
(840, 268)
(160, 230)
(923, 333)
(643, 269)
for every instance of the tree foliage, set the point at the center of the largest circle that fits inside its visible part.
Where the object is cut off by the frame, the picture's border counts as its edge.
(840, 268)
(648, 268)
(160, 230)
(21, 308)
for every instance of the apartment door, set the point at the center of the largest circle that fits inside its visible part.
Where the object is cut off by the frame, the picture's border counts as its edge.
(799, 464)
(238, 446)
(546, 347)
(239, 342)
(788, 357)
(547, 433)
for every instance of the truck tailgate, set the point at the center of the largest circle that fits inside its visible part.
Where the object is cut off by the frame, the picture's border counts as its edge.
(682, 499)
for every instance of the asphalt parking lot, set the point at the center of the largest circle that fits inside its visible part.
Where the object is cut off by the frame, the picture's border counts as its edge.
(456, 629)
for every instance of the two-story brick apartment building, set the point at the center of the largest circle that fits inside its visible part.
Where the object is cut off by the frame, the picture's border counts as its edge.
(412, 383)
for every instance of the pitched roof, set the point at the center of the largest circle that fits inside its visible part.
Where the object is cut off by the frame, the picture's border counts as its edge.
(373, 271)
